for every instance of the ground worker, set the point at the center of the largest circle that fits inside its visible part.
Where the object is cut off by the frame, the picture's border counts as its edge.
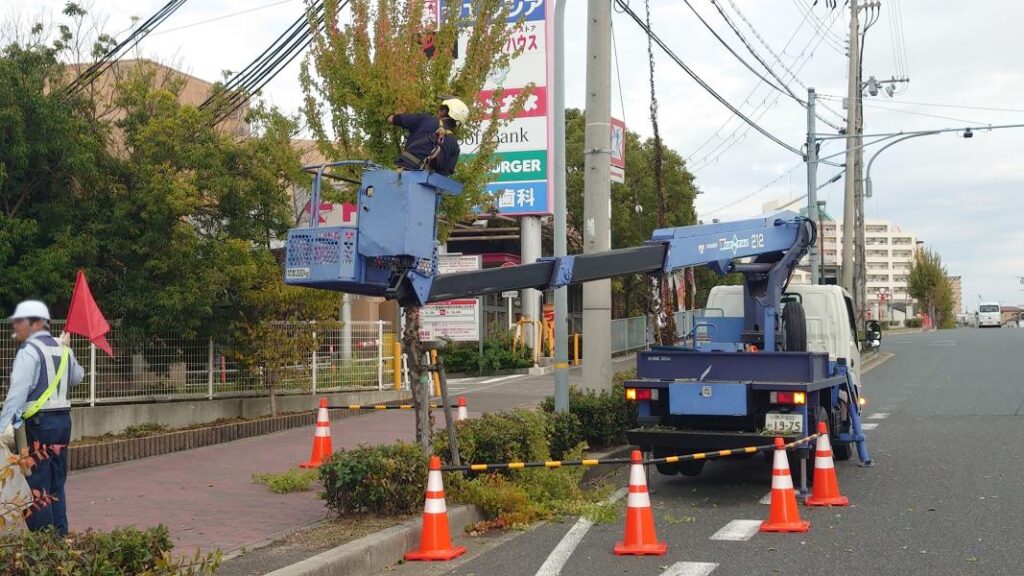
(431, 143)
(43, 373)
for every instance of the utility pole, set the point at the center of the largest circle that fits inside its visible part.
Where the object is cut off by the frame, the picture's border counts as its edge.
(561, 296)
(812, 186)
(597, 296)
(852, 142)
(860, 275)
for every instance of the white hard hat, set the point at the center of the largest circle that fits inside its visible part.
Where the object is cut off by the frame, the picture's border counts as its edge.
(31, 309)
(457, 109)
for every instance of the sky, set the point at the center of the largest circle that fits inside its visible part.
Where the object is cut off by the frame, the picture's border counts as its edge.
(962, 197)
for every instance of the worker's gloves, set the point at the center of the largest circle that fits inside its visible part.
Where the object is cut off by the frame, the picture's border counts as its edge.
(65, 338)
(7, 438)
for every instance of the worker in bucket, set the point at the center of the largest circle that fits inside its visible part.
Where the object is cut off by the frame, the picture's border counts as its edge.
(43, 373)
(431, 143)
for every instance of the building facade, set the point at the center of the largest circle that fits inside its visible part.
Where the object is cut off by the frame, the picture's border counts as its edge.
(956, 286)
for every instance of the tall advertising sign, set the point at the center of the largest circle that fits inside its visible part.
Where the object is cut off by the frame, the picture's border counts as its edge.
(525, 154)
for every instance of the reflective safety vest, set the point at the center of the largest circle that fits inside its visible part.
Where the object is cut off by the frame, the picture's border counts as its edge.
(54, 382)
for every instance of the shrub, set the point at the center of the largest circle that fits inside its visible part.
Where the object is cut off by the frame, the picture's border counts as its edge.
(497, 355)
(604, 416)
(293, 480)
(122, 551)
(514, 436)
(387, 479)
(565, 434)
(912, 323)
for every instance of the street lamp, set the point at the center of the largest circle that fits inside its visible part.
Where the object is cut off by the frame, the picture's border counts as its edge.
(867, 173)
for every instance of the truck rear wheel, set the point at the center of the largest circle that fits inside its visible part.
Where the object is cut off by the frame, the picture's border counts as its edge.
(666, 469)
(794, 327)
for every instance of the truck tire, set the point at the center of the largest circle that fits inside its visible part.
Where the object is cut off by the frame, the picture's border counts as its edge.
(794, 328)
(692, 468)
(666, 469)
(841, 451)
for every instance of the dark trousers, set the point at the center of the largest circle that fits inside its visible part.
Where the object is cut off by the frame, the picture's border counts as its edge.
(50, 472)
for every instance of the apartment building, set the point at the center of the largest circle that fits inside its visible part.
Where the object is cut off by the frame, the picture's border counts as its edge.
(888, 256)
(956, 286)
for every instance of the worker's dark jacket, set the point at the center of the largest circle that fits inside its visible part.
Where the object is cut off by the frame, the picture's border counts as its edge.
(423, 138)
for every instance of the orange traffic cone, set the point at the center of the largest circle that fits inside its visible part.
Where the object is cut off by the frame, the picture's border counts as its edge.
(825, 491)
(435, 539)
(463, 413)
(640, 537)
(321, 438)
(783, 515)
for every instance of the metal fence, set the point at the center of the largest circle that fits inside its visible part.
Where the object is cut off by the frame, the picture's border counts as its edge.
(170, 367)
(636, 333)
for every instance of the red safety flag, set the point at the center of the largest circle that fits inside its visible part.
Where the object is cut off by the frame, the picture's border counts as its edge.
(85, 318)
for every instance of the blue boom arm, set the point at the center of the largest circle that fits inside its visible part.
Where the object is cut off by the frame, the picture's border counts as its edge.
(391, 250)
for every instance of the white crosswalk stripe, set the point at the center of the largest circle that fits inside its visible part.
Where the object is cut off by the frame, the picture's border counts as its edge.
(879, 416)
(869, 425)
(690, 569)
(737, 530)
(560, 555)
(766, 499)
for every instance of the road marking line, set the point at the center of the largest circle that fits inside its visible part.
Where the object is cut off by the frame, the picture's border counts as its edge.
(737, 530)
(944, 343)
(500, 379)
(879, 416)
(503, 380)
(869, 425)
(766, 499)
(555, 561)
(690, 569)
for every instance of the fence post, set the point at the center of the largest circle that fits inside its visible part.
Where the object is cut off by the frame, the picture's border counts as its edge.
(380, 354)
(92, 374)
(315, 362)
(396, 362)
(209, 370)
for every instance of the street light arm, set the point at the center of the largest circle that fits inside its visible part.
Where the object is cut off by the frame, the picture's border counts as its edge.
(867, 172)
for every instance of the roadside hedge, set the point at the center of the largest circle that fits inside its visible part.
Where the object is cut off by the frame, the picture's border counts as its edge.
(497, 355)
(912, 323)
(604, 417)
(388, 479)
(127, 551)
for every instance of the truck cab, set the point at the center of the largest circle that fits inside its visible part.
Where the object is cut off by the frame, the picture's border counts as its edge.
(828, 310)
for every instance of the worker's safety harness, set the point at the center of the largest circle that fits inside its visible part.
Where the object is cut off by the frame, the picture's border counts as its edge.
(437, 138)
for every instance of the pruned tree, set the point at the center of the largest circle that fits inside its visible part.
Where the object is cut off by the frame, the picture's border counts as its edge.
(391, 56)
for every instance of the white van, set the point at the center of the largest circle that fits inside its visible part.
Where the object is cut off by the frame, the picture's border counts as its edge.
(829, 310)
(989, 314)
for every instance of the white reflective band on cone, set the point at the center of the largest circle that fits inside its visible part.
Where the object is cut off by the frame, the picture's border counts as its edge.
(322, 415)
(322, 432)
(782, 482)
(781, 460)
(637, 476)
(823, 462)
(434, 506)
(434, 483)
(638, 500)
(824, 443)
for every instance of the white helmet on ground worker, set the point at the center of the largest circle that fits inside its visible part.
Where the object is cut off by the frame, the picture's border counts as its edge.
(457, 109)
(31, 309)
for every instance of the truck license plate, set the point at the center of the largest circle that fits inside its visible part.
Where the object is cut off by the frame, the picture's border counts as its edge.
(784, 423)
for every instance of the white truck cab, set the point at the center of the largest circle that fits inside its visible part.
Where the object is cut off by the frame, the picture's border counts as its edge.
(829, 311)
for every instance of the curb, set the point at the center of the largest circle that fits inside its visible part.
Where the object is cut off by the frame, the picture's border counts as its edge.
(371, 554)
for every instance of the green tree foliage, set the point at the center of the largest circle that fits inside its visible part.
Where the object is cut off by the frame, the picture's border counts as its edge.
(356, 74)
(929, 285)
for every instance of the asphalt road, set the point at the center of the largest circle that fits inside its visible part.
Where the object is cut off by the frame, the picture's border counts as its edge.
(945, 496)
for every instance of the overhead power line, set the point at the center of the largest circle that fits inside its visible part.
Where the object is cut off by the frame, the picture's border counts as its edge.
(755, 192)
(223, 17)
(118, 51)
(255, 76)
(668, 51)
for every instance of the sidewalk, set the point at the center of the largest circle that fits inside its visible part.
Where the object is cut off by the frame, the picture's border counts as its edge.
(207, 498)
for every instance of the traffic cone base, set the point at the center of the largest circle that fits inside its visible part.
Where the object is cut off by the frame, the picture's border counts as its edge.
(783, 513)
(463, 412)
(640, 539)
(322, 448)
(435, 537)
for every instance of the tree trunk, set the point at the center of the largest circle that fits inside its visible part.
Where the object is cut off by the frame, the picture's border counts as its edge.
(419, 377)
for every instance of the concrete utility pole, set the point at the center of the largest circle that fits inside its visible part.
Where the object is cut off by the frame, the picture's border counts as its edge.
(560, 247)
(812, 186)
(852, 142)
(860, 275)
(529, 252)
(597, 296)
